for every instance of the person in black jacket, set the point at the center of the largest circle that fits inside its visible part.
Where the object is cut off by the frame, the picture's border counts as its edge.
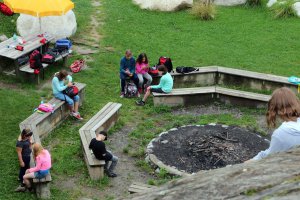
(98, 147)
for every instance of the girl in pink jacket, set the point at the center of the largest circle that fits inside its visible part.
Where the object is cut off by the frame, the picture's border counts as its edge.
(141, 70)
(43, 164)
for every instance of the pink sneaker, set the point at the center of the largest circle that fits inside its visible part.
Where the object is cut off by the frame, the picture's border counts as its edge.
(77, 115)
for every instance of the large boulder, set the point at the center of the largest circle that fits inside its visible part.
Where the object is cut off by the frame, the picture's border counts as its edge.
(275, 177)
(164, 5)
(59, 26)
(229, 2)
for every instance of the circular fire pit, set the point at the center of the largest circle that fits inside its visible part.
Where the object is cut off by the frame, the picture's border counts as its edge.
(189, 149)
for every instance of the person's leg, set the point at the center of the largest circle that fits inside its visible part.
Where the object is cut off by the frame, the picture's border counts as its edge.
(27, 178)
(149, 79)
(141, 81)
(122, 77)
(148, 92)
(76, 103)
(135, 80)
(66, 98)
(114, 162)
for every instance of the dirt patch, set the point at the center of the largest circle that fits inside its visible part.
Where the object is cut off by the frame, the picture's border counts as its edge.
(195, 148)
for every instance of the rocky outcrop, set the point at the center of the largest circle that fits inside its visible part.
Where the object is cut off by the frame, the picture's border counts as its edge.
(164, 5)
(229, 2)
(275, 177)
(59, 26)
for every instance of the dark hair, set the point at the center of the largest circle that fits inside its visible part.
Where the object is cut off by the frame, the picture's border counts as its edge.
(140, 58)
(163, 69)
(283, 103)
(26, 132)
(103, 133)
(62, 74)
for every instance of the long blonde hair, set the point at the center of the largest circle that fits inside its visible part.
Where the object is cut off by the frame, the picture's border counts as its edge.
(283, 103)
(37, 149)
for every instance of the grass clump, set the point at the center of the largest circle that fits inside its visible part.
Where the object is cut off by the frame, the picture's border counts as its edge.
(204, 9)
(254, 3)
(283, 9)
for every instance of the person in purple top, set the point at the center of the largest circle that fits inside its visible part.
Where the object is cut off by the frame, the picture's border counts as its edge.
(127, 70)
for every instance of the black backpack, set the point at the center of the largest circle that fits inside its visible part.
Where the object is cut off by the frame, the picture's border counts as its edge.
(185, 70)
(166, 62)
(35, 60)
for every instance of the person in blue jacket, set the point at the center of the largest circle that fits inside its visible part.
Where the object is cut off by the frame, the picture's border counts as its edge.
(285, 105)
(60, 82)
(127, 69)
(165, 85)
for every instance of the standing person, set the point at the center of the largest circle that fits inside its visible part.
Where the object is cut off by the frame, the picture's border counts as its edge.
(141, 69)
(127, 69)
(43, 164)
(98, 147)
(285, 105)
(60, 82)
(165, 85)
(23, 148)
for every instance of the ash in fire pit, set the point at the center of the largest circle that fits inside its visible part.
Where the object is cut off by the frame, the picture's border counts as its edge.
(195, 148)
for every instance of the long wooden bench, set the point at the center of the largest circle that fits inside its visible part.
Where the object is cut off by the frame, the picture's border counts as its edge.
(140, 187)
(102, 121)
(205, 95)
(27, 73)
(46, 122)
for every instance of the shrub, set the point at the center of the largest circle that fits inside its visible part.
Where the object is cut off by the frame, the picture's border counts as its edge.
(253, 3)
(283, 9)
(204, 9)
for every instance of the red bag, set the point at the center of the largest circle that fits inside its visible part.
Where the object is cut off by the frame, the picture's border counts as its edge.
(5, 9)
(77, 65)
(20, 48)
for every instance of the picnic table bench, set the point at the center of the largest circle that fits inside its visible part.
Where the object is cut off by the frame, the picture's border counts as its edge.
(139, 187)
(102, 121)
(203, 95)
(46, 122)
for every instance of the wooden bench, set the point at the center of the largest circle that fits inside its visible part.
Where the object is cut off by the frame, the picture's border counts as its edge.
(46, 122)
(140, 188)
(102, 121)
(205, 95)
(27, 73)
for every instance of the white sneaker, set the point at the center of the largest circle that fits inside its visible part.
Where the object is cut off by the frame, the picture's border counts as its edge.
(122, 95)
(138, 95)
(77, 115)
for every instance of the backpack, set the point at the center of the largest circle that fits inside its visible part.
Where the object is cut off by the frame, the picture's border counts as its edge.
(153, 71)
(63, 45)
(35, 60)
(46, 107)
(130, 90)
(166, 62)
(185, 70)
(5, 9)
(71, 91)
(48, 58)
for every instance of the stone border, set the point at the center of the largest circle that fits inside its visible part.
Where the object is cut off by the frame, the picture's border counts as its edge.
(158, 164)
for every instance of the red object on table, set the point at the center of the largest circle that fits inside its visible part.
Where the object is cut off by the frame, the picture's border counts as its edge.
(5, 9)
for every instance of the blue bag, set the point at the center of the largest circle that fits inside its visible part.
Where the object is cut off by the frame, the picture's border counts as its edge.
(63, 43)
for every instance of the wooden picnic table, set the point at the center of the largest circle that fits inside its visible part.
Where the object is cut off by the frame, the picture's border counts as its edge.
(32, 42)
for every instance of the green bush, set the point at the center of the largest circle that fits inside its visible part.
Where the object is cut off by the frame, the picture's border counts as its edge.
(283, 9)
(253, 3)
(204, 9)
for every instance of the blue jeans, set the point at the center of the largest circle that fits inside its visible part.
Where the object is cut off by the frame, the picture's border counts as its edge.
(114, 161)
(41, 174)
(66, 98)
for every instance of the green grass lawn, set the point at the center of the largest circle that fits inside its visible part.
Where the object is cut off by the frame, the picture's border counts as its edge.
(240, 37)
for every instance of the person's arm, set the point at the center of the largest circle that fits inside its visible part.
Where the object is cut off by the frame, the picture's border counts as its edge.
(19, 152)
(132, 67)
(138, 68)
(38, 165)
(69, 79)
(57, 85)
(161, 82)
(275, 146)
(122, 66)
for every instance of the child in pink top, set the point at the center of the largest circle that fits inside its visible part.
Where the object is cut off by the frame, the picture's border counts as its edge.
(141, 70)
(43, 165)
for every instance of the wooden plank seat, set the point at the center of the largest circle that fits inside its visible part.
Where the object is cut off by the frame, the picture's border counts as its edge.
(140, 187)
(28, 73)
(204, 95)
(102, 121)
(42, 124)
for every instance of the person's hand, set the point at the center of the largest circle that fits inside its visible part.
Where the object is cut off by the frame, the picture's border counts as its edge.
(22, 164)
(27, 171)
(149, 87)
(130, 74)
(70, 84)
(127, 72)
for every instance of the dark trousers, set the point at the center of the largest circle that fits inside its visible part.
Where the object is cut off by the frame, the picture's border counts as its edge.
(22, 171)
(123, 79)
